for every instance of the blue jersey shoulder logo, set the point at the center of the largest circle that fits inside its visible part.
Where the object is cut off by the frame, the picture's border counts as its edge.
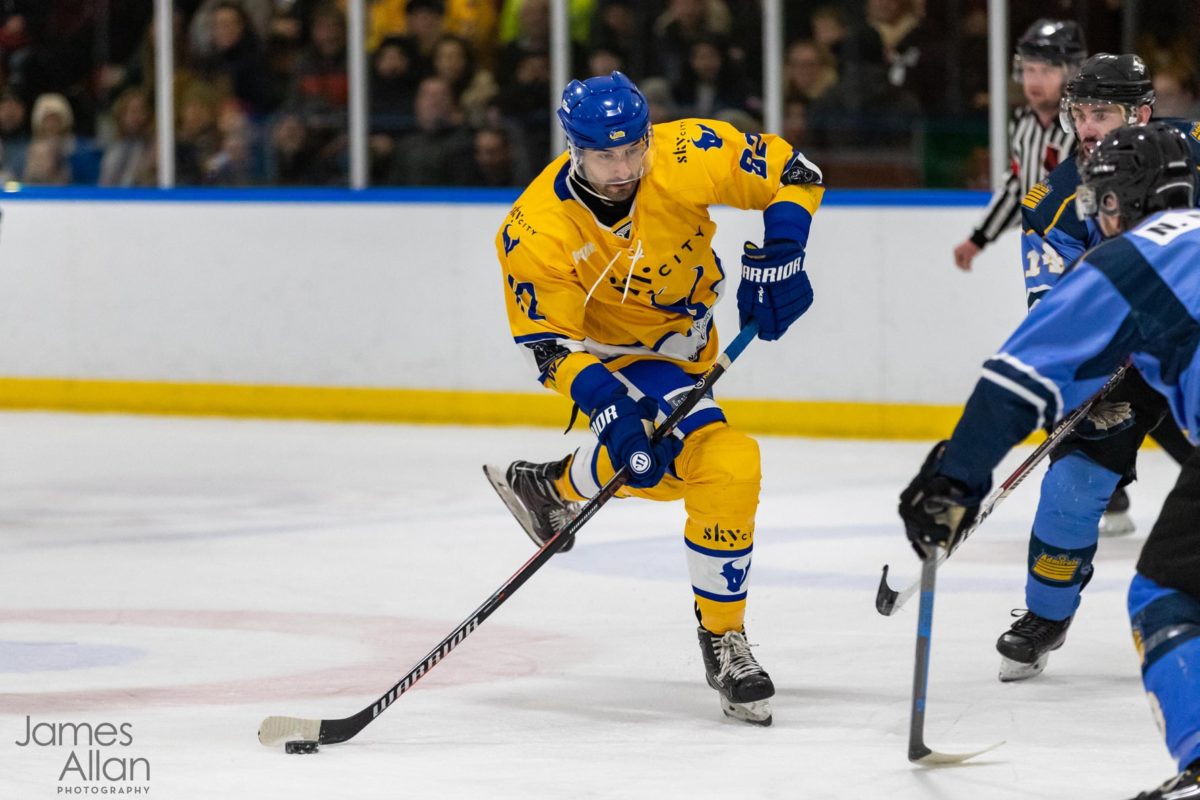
(708, 138)
(509, 242)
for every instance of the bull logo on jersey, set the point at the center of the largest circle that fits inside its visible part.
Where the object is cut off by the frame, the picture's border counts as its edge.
(735, 576)
(509, 242)
(701, 313)
(708, 138)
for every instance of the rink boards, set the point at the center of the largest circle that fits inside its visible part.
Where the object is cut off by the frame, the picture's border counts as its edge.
(388, 306)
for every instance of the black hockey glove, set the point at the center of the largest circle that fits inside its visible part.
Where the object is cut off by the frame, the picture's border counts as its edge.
(936, 509)
(774, 288)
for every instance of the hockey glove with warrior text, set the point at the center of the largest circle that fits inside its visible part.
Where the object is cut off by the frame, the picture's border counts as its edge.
(937, 509)
(774, 288)
(621, 426)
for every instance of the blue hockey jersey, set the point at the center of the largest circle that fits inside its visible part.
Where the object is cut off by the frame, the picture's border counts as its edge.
(1134, 296)
(1053, 235)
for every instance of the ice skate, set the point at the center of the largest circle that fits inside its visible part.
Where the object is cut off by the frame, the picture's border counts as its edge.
(1025, 648)
(1116, 520)
(528, 491)
(1184, 786)
(730, 667)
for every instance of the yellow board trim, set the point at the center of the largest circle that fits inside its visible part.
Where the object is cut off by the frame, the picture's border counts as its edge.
(783, 417)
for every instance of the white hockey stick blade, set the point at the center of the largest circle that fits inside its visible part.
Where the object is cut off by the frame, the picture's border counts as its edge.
(932, 758)
(275, 731)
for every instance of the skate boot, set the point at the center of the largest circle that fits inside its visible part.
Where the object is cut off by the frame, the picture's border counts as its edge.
(731, 669)
(1116, 520)
(1184, 786)
(528, 491)
(1025, 647)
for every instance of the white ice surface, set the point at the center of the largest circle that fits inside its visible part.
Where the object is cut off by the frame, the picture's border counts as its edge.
(192, 576)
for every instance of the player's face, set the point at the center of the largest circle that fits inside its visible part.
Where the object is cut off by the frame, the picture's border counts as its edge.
(1043, 83)
(1094, 121)
(614, 172)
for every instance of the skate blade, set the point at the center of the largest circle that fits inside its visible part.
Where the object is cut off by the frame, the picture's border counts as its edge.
(495, 476)
(1017, 671)
(756, 713)
(1116, 523)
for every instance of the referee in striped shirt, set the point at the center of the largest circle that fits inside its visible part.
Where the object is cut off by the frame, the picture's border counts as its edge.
(1047, 55)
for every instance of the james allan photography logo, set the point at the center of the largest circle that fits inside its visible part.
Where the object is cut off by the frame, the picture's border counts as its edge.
(91, 765)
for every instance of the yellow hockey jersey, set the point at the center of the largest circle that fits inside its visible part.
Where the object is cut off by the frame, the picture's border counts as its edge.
(578, 292)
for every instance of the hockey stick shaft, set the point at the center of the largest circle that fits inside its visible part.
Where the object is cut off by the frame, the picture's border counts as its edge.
(918, 751)
(277, 730)
(916, 728)
(888, 600)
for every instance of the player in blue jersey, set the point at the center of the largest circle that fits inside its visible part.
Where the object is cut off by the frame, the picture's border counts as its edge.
(1108, 91)
(1134, 297)
(1082, 494)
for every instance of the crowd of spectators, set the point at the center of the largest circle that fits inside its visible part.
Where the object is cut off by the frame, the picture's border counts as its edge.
(459, 91)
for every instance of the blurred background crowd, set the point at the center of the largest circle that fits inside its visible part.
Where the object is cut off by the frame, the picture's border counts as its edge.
(879, 92)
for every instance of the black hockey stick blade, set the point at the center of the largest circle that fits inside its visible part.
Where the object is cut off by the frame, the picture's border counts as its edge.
(888, 601)
(885, 596)
(918, 752)
(274, 731)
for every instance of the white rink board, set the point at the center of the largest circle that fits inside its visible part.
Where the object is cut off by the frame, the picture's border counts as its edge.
(408, 295)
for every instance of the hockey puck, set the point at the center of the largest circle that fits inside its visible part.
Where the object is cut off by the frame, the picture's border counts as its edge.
(300, 746)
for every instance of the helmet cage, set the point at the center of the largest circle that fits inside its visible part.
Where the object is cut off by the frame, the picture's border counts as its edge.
(1129, 110)
(1069, 68)
(641, 152)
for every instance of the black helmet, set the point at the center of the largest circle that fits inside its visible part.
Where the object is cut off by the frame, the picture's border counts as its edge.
(1138, 170)
(1103, 79)
(1054, 40)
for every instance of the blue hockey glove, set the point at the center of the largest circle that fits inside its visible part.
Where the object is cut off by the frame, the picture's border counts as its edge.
(774, 288)
(620, 425)
(937, 509)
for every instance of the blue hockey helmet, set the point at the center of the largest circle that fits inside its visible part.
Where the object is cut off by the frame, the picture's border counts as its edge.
(603, 112)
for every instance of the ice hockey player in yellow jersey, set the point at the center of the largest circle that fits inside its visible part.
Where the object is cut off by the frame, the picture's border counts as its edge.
(610, 281)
